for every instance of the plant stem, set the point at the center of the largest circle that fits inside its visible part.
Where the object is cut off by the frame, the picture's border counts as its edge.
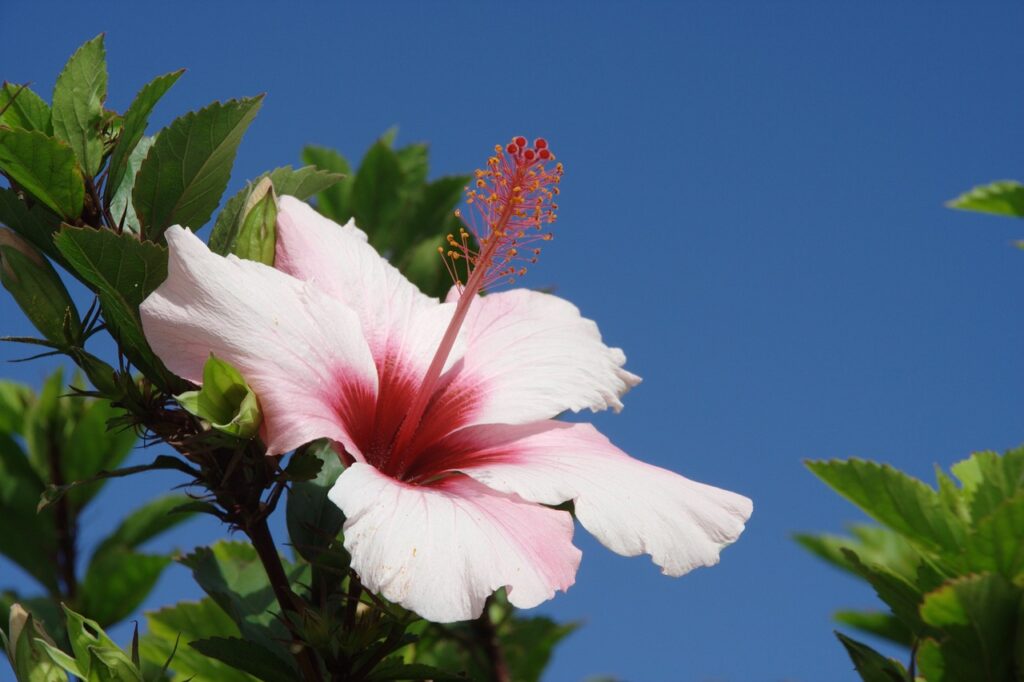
(263, 541)
(487, 637)
(65, 525)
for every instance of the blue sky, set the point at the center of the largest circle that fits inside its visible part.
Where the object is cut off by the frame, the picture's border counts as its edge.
(752, 210)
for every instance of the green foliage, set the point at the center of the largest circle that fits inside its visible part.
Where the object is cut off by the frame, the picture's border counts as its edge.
(949, 564)
(78, 97)
(43, 167)
(187, 169)
(225, 401)
(1005, 197)
(314, 522)
(405, 217)
(24, 109)
(38, 290)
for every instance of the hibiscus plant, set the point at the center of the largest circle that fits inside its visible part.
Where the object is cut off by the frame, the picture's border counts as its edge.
(355, 380)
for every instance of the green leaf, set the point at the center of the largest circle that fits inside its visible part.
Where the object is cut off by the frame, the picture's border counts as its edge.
(246, 656)
(871, 665)
(375, 195)
(314, 522)
(878, 623)
(93, 447)
(528, 644)
(996, 544)
(117, 581)
(173, 628)
(335, 201)
(26, 538)
(22, 108)
(874, 545)
(123, 270)
(397, 669)
(121, 208)
(232, 575)
(902, 503)
(989, 479)
(257, 238)
(976, 616)
(78, 97)
(84, 635)
(225, 400)
(14, 403)
(187, 170)
(45, 168)
(302, 184)
(36, 224)
(1005, 197)
(303, 466)
(135, 121)
(38, 290)
(435, 211)
(53, 493)
(146, 522)
(899, 594)
(412, 159)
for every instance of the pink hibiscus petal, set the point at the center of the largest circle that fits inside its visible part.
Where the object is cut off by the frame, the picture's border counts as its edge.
(630, 506)
(531, 356)
(299, 349)
(441, 550)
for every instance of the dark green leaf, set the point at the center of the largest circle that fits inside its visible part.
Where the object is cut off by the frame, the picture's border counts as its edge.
(878, 623)
(335, 201)
(187, 169)
(871, 665)
(172, 629)
(78, 97)
(412, 159)
(303, 466)
(246, 656)
(528, 643)
(45, 168)
(975, 616)
(903, 597)
(1005, 197)
(26, 538)
(232, 575)
(397, 669)
(135, 121)
(302, 183)
(313, 520)
(123, 270)
(22, 108)
(117, 581)
(36, 224)
(435, 211)
(38, 290)
(375, 195)
(902, 503)
(146, 522)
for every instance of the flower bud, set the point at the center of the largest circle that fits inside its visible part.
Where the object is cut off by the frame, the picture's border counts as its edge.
(257, 237)
(38, 290)
(225, 400)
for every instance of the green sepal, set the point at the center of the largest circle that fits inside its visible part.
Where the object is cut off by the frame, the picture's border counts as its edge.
(257, 238)
(225, 400)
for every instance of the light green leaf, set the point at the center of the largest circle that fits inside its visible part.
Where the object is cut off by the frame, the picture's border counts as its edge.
(84, 635)
(117, 581)
(975, 616)
(78, 97)
(996, 544)
(898, 593)
(225, 400)
(135, 121)
(45, 168)
(1005, 197)
(901, 502)
(871, 665)
(173, 628)
(878, 623)
(22, 108)
(257, 238)
(302, 184)
(334, 202)
(528, 644)
(14, 402)
(93, 447)
(187, 169)
(146, 522)
(873, 544)
(989, 479)
(121, 207)
(123, 270)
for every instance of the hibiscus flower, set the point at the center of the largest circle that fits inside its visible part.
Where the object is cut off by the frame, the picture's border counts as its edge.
(444, 412)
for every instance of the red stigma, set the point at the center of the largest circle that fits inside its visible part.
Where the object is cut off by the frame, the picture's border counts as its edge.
(543, 153)
(540, 143)
(512, 148)
(520, 141)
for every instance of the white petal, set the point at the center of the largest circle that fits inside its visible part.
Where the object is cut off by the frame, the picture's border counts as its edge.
(630, 506)
(531, 356)
(442, 550)
(300, 350)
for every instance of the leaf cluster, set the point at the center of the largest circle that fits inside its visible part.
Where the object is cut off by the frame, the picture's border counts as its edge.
(948, 562)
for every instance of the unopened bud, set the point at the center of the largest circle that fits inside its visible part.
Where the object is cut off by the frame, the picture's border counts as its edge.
(257, 238)
(38, 290)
